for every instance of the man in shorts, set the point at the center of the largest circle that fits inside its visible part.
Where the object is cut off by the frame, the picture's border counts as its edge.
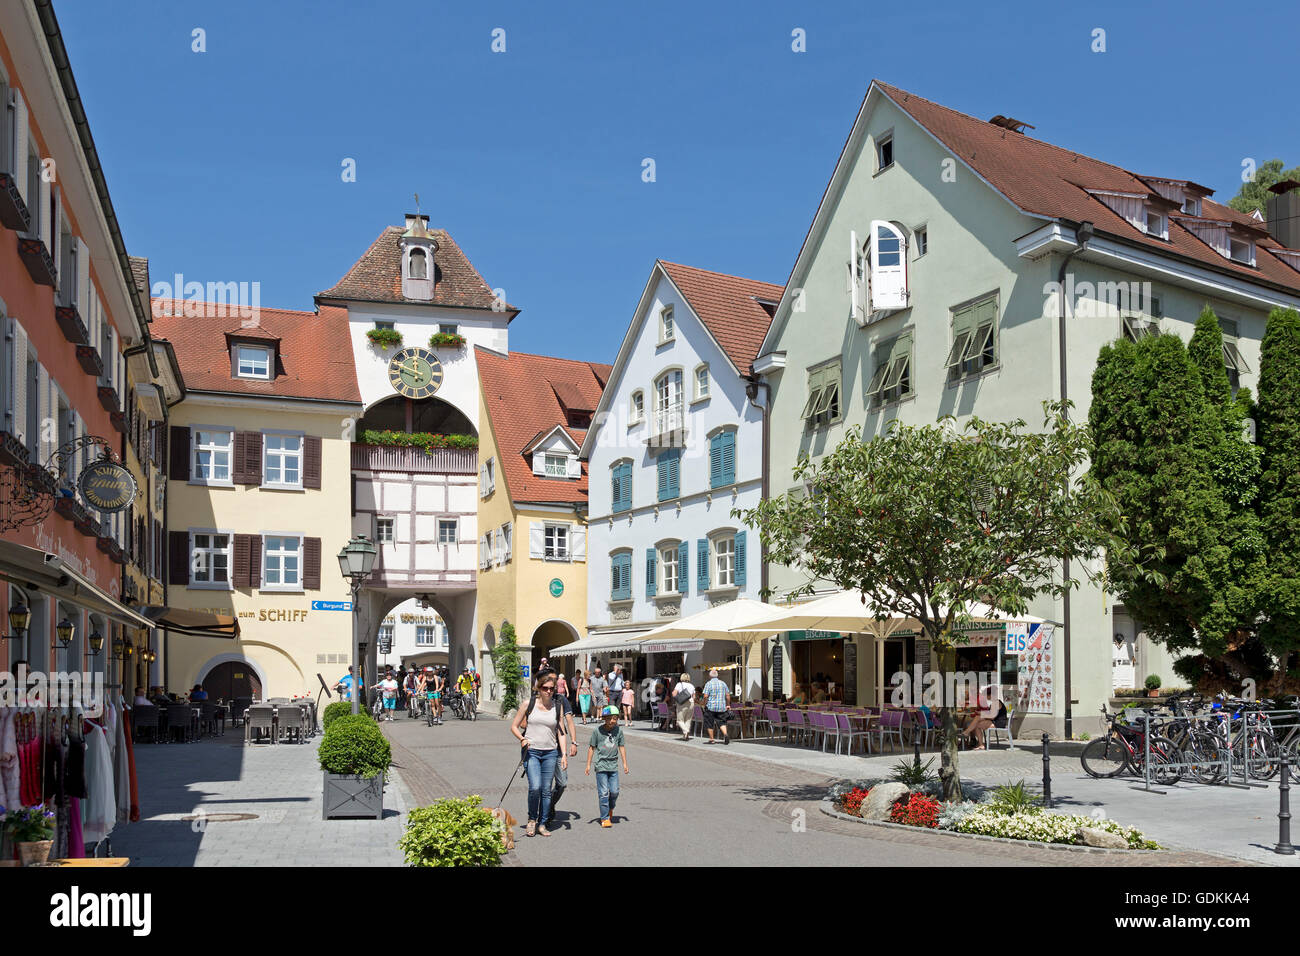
(717, 699)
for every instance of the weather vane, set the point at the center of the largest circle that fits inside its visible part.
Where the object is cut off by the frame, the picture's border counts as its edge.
(417, 204)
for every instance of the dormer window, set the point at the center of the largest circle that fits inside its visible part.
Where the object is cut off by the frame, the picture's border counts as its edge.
(419, 264)
(1192, 206)
(1241, 251)
(1156, 225)
(252, 361)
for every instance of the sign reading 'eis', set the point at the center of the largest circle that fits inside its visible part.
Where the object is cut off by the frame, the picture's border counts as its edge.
(108, 486)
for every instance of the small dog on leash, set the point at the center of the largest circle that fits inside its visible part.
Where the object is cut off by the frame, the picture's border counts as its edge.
(509, 822)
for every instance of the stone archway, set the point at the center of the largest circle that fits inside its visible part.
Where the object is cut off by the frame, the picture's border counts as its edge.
(547, 636)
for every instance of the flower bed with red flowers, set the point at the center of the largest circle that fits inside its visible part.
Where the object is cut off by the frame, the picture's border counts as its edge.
(851, 802)
(917, 810)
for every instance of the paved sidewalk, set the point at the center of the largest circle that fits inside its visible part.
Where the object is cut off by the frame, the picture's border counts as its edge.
(1236, 823)
(280, 786)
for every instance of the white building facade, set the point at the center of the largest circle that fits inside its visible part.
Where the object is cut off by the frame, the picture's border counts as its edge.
(677, 444)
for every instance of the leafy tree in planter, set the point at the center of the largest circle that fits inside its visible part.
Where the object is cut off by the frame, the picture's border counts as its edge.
(1278, 430)
(509, 669)
(1169, 447)
(927, 520)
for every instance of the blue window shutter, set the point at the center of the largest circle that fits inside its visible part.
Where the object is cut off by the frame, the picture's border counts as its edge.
(649, 572)
(627, 576)
(622, 577)
(715, 460)
(663, 477)
(683, 572)
(740, 560)
(728, 457)
(702, 573)
(675, 472)
(622, 487)
(627, 487)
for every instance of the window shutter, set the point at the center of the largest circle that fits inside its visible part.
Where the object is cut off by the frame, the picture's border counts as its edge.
(888, 267)
(178, 557)
(663, 477)
(311, 464)
(255, 561)
(44, 411)
(728, 457)
(715, 460)
(82, 289)
(683, 568)
(482, 481)
(47, 208)
(578, 542)
(17, 407)
(539, 463)
(54, 242)
(575, 469)
(674, 469)
(536, 539)
(510, 537)
(311, 563)
(239, 575)
(179, 453)
(20, 147)
(248, 452)
(649, 572)
(740, 560)
(702, 572)
(483, 553)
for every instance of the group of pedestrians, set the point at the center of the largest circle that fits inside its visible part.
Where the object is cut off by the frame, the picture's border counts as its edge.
(416, 688)
(716, 705)
(595, 692)
(545, 730)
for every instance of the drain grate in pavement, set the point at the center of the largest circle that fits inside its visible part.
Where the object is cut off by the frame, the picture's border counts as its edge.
(219, 817)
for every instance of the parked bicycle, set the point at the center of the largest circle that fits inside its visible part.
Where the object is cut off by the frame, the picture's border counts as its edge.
(1124, 747)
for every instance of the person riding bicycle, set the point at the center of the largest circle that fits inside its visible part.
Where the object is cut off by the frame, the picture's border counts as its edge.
(465, 683)
(409, 685)
(435, 686)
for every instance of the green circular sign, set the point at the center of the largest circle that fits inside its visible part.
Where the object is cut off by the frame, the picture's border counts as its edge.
(107, 486)
(557, 587)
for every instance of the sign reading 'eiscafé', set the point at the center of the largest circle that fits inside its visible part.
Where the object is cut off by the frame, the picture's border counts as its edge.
(108, 486)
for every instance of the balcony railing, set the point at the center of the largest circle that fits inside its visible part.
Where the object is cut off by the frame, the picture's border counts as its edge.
(440, 461)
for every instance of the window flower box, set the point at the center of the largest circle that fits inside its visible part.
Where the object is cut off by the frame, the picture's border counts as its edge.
(384, 338)
(69, 322)
(37, 259)
(13, 211)
(451, 340)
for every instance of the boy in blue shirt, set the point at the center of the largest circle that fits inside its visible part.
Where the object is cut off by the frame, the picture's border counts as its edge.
(608, 748)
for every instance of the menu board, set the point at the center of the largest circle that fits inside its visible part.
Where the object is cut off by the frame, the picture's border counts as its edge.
(923, 654)
(778, 685)
(850, 672)
(1031, 644)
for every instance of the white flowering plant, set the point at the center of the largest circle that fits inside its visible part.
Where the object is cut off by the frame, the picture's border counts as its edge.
(1040, 825)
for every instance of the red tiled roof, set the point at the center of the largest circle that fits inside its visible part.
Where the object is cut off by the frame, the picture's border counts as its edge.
(315, 351)
(377, 275)
(1054, 182)
(519, 392)
(729, 306)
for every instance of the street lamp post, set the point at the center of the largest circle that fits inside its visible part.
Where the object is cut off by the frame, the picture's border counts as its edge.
(355, 563)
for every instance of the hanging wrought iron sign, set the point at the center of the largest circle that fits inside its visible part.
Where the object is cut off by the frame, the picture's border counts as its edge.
(28, 491)
(107, 486)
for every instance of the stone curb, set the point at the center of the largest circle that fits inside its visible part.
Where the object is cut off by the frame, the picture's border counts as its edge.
(827, 807)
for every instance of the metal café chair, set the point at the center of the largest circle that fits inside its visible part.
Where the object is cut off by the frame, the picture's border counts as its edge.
(259, 719)
(992, 732)
(761, 718)
(697, 718)
(145, 718)
(848, 733)
(796, 727)
(291, 721)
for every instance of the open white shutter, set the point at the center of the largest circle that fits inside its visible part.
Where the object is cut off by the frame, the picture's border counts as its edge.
(42, 443)
(20, 147)
(81, 254)
(510, 535)
(888, 266)
(857, 304)
(17, 404)
(47, 213)
(578, 542)
(536, 539)
(575, 469)
(539, 463)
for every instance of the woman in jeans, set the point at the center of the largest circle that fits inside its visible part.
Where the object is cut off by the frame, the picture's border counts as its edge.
(541, 732)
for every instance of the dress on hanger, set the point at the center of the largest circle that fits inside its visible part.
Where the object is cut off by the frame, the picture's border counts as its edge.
(10, 786)
(99, 812)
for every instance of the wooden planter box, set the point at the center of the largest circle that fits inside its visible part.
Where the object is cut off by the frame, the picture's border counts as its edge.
(37, 260)
(69, 321)
(348, 796)
(13, 211)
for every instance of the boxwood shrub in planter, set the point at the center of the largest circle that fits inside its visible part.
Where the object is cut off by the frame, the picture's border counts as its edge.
(355, 756)
(339, 708)
(452, 833)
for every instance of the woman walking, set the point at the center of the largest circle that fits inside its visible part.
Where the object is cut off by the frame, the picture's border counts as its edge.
(684, 701)
(584, 695)
(541, 732)
(562, 689)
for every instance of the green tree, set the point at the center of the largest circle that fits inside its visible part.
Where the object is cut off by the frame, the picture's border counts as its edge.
(509, 668)
(1161, 444)
(1278, 430)
(1254, 195)
(926, 520)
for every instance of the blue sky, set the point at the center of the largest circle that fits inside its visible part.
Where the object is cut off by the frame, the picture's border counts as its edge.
(225, 165)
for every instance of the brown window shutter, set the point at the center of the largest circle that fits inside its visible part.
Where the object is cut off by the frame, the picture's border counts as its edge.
(311, 461)
(311, 563)
(240, 574)
(254, 560)
(179, 558)
(252, 456)
(180, 453)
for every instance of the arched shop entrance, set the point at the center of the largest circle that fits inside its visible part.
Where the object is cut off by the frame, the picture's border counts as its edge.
(547, 637)
(232, 679)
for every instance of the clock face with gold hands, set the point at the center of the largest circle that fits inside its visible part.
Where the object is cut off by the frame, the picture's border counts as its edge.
(415, 373)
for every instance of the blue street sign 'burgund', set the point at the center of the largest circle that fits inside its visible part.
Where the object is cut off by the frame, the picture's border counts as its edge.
(331, 605)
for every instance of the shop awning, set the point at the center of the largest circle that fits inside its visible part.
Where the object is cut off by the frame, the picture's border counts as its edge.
(38, 570)
(598, 642)
(194, 623)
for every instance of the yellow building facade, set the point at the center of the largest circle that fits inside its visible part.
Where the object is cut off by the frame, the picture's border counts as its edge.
(259, 504)
(531, 523)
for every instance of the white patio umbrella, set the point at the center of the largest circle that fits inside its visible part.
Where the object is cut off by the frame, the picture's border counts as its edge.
(742, 620)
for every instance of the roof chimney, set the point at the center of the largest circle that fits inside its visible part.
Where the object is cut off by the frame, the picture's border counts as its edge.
(1283, 213)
